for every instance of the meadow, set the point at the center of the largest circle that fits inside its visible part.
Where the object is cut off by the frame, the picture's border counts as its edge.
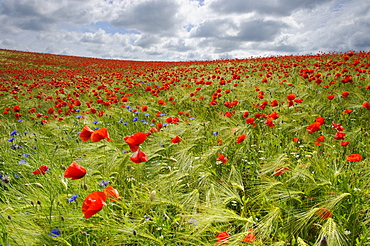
(257, 151)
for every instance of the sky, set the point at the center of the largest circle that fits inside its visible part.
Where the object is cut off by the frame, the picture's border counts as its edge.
(183, 30)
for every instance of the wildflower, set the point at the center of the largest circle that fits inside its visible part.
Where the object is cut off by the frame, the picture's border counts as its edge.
(241, 138)
(95, 122)
(138, 157)
(13, 133)
(93, 203)
(95, 136)
(340, 135)
(135, 140)
(345, 94)
(55, 232)
(321, 120)
(215, 133)
(111, 193)
(72, 198)
(222, 158)
(176, 139)
(193, 221)
(347, 111)
(222, 238)
(269, 122)
(366, 105)
(41, 170)
(324, 213)
(354, 157)
(344, 143)
(313, 127)
(16, 109)
(11, 139)
(330, 97)
(250, 237)
(280, 170)
(74, 171)
(296, 140)
(104, 184)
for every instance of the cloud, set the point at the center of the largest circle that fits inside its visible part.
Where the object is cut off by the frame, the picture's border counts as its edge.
(184, 29)
(154, 17)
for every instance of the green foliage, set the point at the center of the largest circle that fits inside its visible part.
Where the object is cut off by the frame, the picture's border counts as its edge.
(274, 184)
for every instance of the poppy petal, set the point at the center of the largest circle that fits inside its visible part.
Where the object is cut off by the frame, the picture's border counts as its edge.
(100, 134)
(86, 133)
(74, 171)
(93, 203)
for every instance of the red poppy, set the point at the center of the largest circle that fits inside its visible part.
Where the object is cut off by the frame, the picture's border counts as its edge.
(222, 238)
(85, 134)
(296, 140)
(320, 139)
(347, 111)
(241, 138)
(321, 120)
(340, 135)
(313, 127)
(330, 97)
(324, 213)
(16, 109)
(111, 193)
(250, 121)
(41, 170)
(280, 170)
(74, 171)
(135, 140)
(95, 136)
(222, 158)
(269, 122)
(93, 203)
(344, 143)
(176, 139)
(250, 237)
(345, 94)
(366, 105)
(100, 134)
(139, 156)
(354, 157)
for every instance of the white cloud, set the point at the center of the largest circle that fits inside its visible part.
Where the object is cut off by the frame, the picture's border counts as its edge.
(184, 29)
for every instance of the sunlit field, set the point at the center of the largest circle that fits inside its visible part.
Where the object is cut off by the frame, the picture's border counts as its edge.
(258, 151)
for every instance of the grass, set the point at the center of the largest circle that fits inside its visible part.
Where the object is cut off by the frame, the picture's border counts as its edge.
(274, 184)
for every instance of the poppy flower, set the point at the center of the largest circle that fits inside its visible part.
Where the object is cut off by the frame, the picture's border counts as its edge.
(269, 122)
(241, 138)
(138, 156)
(74, 171)
(366, 105)
(100, 134)
(296, 140)
(330, 97)
(93, 203)
(222, 158)
(313, 127)
(85, 134)
(135, 140)
(324, 213)
(321, 120)
(176, 139)
(222, 238)
(344, 143)
(280, 170)
(111, 193)
(41, 170)
(354, 157)
(95, 136)
(340, 135)
(250, 237)
(16, 109)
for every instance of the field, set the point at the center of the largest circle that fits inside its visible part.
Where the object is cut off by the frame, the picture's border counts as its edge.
(258, 151)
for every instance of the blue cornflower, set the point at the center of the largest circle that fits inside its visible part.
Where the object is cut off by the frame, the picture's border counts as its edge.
(11, 139)
(135, 119)
(72, 198)
(151, 124)
(13, 133)
(193, 221)
(215, 133)
(54, 233)
(95, 122)
(79, 117)
(164, 124)
(145, 123)
(26, 154)
(162, 115)
(146, 115)
(78, 110)
(137, 112)
(22, 162)
(127, 107)
(125, 123)
(20, 120)
(104, 184)
(192, 118)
